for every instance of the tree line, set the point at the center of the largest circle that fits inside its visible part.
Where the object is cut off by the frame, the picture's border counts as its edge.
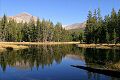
(102, 30)
(34, 31)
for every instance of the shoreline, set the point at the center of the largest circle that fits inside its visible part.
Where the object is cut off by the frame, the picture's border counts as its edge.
(100, 46)
(38, 43)
(23, 45)
(5, 47)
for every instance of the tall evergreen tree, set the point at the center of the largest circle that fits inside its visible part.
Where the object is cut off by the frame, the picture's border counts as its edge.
(113, 23)
(39, 34)
(25, 32)
(0, 30)
(4, 23)
(118, 26)
(11, 34)
(19, 32)
(114, 36)
(58, 32)
(33, 32)
(88, 28)
(107, 37)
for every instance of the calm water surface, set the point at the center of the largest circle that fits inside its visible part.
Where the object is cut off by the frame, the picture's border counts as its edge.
(54, 63)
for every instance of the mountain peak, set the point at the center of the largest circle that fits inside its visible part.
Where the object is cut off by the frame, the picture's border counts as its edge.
(24, 14)
(23, 17)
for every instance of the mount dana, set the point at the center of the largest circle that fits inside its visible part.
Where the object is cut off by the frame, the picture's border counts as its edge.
(26, 17)
(23, 17)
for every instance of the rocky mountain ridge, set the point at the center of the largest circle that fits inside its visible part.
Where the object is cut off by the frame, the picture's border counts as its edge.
(23, 17)
(76, 26)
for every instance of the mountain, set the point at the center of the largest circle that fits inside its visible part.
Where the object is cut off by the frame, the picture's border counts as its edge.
(23, 17)
(26, 17)
(76, 26)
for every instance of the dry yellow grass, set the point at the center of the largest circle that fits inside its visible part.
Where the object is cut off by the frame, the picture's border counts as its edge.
(115, 66)
(19, 45)
(38, 43)
(100, 46)
(4, 47)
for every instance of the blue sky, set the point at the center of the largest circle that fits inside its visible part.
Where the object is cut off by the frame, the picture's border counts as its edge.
(64, 11)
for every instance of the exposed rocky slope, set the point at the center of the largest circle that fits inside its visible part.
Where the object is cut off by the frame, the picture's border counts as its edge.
(76, 26)
(23, 17)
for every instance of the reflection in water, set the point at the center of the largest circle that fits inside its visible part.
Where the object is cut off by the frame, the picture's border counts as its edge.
(36, 56)
(107, 59)
(47, 55)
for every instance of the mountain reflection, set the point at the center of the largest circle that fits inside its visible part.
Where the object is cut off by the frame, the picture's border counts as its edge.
(36, 56)
(45, 55)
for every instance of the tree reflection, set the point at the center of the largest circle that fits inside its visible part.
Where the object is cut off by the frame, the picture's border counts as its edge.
(46, 55)
(101, 58)
(43, 55)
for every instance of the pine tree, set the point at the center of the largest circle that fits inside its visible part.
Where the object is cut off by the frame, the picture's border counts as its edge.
(88, 28)
(4, 23)
(94, 27)
(19, 32)
(44, 30)
(98, 26)
(113, 23)
(0, 31)
(118, 26)
(32, 30)
(114, 36)
(25, 32)
(107, 37)
(11, 34)
(50, 32)
(58, 32)
(39, 34)
(81, 37)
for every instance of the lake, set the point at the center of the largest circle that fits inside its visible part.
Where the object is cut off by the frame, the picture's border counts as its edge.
(54, 62)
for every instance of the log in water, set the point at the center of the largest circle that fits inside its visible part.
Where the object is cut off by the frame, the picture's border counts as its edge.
(100, 71)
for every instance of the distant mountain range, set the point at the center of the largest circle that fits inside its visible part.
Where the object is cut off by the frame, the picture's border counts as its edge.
(76, 26)
(26, 17)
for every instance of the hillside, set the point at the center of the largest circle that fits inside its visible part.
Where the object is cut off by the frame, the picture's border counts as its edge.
(76, 26)
(23, 17)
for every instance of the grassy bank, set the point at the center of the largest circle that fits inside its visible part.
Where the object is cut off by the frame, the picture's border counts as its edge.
(4, 47)
(100, 46)
(38, 43)
(19, 45)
